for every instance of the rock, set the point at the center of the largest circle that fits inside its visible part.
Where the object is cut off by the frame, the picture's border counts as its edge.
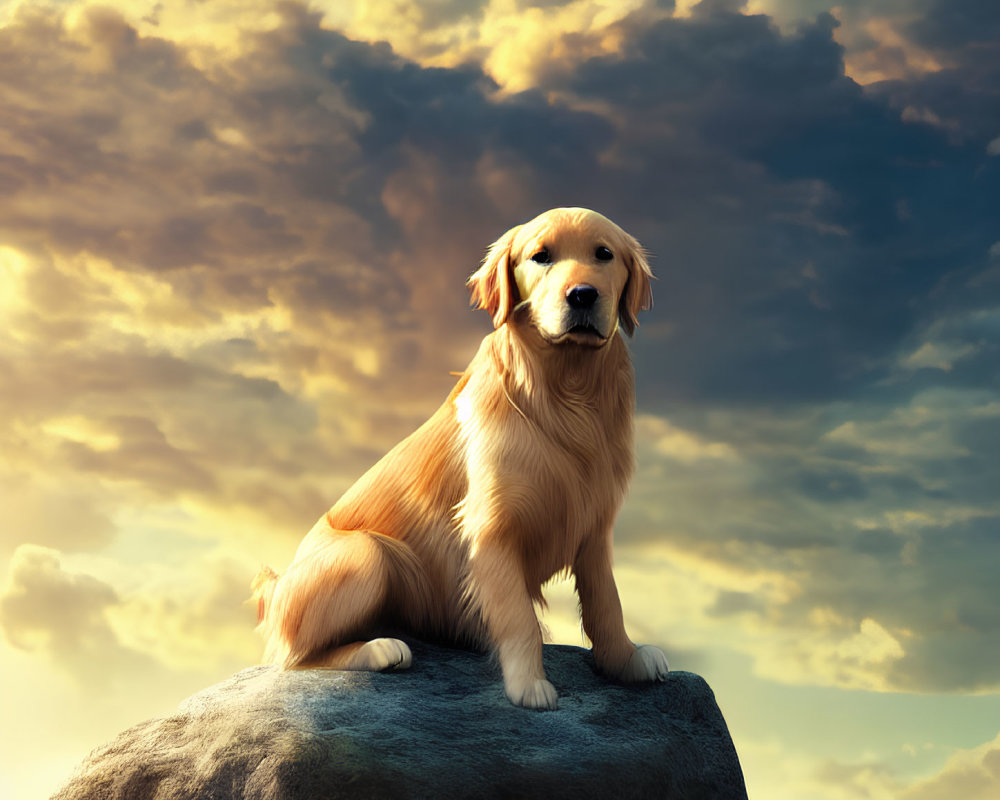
(442, 729)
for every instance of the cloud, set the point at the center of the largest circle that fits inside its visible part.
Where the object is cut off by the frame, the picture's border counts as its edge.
(962, 36)
(190, 619)
(879, 45)
(973, 774)
(778, 185)
(824, 549)
(62, 615)
(89, 646)
(954, 25)
(70, 514)
(139, 620)
(937, 356)
(350, 161)
(677, 444)
(864, 779)
(123, 401)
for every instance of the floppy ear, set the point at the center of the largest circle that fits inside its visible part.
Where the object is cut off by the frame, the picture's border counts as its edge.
(492, 285)
(637, 295)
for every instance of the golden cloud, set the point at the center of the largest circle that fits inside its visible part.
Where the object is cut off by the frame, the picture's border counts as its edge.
(973, 774)
(61, 615)
(677, 444)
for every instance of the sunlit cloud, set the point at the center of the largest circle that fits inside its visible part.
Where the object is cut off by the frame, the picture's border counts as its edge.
(879, 49)
(61, 615)
(937, 356)
(974, 774)
(678, 444)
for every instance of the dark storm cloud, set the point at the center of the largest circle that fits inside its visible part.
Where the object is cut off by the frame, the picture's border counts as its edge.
(831, 485)
(448, 119)
(780, 296)
(951, 588)
(957, 24)
(960, 100)
(825, 234)
(815, 222)
(891, 516)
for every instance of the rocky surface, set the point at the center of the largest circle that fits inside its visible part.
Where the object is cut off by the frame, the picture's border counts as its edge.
(442, 729)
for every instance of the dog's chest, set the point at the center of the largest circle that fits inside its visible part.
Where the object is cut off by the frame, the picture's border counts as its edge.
(554, 477)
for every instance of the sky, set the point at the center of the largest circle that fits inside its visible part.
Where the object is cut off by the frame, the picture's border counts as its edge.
(234, 238)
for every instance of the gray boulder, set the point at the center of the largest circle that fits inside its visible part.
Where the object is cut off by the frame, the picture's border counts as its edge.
(442, 729)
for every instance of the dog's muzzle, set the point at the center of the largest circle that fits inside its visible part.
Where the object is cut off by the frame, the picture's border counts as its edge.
(580, 321)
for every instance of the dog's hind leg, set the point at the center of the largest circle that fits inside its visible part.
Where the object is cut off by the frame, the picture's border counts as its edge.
(340, 587)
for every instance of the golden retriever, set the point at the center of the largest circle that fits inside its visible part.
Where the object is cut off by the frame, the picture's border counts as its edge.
(517, 477)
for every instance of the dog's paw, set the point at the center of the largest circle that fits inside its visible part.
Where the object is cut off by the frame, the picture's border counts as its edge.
(538, 694)
(647, 664)
(382, 654)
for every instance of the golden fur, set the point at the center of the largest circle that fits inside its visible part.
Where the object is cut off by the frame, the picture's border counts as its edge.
(518, 476)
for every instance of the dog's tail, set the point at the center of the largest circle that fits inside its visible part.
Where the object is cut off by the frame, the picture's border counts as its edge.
(262, 590)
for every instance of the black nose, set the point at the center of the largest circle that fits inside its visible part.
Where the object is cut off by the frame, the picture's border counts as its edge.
(582, 297)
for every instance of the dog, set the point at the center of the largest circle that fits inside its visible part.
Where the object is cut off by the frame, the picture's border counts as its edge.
(516, 478)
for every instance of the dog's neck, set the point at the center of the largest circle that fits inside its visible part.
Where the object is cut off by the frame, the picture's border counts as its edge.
(536, 372)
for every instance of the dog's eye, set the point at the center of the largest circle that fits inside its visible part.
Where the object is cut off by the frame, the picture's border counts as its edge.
(542, 257)
(603, 254)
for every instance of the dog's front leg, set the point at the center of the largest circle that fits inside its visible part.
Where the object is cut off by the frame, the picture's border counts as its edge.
(603, 621)
(501, 593)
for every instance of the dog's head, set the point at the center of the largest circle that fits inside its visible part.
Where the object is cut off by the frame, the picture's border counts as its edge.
(574, 272)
